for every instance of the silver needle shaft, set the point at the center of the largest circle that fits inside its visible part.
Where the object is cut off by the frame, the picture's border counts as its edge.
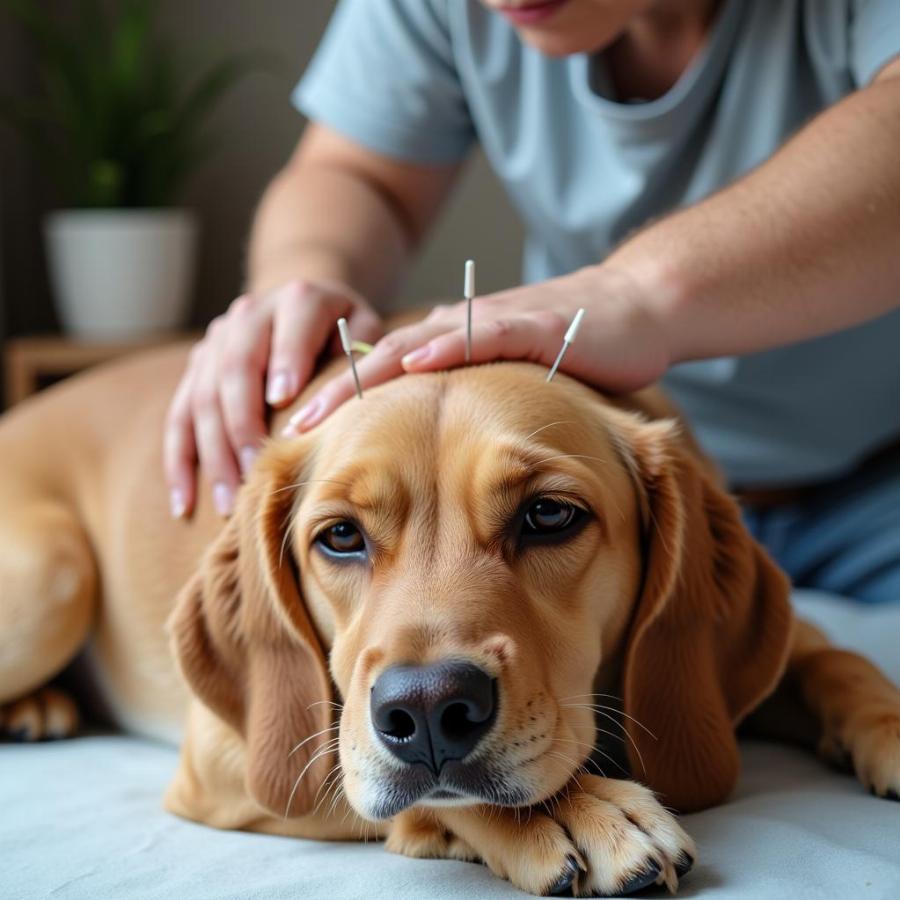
(469, 294)
(567, 342)
(347, 346)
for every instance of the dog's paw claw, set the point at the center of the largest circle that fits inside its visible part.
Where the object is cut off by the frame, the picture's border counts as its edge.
(642, 880)
(684, 865)
(872, 739)
(48, 714)
(626, 838)
(562, 885)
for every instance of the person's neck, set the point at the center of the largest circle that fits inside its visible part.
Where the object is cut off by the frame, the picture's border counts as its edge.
(658, 46)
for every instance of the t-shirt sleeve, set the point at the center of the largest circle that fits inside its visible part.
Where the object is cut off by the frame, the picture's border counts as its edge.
(384, 76)
(874, 37)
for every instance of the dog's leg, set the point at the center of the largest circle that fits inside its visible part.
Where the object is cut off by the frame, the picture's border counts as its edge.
(598, 837)
(419, 833)
(856, 707)
(47, 585)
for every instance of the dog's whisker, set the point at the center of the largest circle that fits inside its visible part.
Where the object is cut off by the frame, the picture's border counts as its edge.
(288, 531)
(604, 711)
(557, 753)
(609, 709)
(594, 694)
(569, 762)
(618, 765)
(608, 713)
(300, 484)
(329, 780)
(545, 427)
(587, 744)
(322, 751)
(631, 740)
(332, 780)
(325, 796)
(337, 797)
(581, 766)
(330, 702)
(328, 746)
(315, 735)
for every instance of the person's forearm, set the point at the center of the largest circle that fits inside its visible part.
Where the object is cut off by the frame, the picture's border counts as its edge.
(319, 221)
(807, 244)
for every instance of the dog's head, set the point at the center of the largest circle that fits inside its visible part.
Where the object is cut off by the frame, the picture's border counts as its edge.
(467, 557)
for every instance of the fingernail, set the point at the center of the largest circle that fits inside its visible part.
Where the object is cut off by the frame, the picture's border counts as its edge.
(223, 498)
(305, 417)
(281, 387)
(177, 503)
(247, 458)
(416, 356)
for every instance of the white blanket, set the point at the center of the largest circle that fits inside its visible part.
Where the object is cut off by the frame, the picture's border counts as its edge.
(82, 819)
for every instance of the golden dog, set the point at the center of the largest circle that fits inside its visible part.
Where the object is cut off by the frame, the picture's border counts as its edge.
(413, 622)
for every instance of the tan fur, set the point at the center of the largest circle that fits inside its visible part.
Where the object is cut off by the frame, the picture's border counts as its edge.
(662, 599)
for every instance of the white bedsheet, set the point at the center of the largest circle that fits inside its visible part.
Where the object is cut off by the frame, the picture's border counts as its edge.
(82, 819)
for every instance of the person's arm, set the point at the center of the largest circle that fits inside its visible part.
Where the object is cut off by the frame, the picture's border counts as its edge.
(340, 212)
(806, 244)
(332, 233)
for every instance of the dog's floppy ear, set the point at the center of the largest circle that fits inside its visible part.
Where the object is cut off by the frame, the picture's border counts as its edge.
(247, 648)
(712, 627)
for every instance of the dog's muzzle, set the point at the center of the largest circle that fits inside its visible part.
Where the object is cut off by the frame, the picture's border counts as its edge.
(430, 715)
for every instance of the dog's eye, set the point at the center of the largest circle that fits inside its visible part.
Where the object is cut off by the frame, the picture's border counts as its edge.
(342, 539)
(547, 517)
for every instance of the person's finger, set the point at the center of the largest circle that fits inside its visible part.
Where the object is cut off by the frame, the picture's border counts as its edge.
(534, 336)
(216, 458)
(382, 364)
(179, 448)
(303, 317)
(244, 342)
(365, 324)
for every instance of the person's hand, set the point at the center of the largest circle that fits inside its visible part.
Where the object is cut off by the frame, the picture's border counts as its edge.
(621, 346)
(217, 415)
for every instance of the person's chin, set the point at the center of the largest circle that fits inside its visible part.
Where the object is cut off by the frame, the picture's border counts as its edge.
(566, 34)
(556, 45)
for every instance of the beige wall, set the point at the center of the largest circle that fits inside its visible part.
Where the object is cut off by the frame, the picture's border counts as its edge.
(258, 128)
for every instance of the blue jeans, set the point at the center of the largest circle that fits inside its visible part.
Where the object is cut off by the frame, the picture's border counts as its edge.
(844, 537)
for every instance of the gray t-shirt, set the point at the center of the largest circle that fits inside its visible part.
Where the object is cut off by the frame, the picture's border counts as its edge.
(422, 79)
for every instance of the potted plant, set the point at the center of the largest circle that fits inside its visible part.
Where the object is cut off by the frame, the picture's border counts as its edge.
(118, 128)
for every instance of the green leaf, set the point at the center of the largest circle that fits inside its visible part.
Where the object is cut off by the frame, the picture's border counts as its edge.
(115, 125)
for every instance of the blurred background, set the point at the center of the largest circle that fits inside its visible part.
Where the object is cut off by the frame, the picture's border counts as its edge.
(253, 127)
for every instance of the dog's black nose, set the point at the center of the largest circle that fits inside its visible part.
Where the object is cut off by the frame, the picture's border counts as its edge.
(431, 714)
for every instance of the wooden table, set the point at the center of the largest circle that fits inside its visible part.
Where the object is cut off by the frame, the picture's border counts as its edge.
(32, 363)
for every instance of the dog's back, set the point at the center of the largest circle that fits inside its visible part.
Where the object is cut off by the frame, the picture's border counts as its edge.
(81, 485)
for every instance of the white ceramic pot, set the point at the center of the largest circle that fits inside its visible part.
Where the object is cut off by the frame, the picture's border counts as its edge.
(121, 273)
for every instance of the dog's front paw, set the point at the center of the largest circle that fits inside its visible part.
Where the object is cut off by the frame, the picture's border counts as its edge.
(599, 837)
(420, 834)
(869, 744)
(624, 835)
(47, 714)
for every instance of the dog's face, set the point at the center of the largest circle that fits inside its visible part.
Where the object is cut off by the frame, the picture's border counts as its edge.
(462, 554)
(470, 552)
